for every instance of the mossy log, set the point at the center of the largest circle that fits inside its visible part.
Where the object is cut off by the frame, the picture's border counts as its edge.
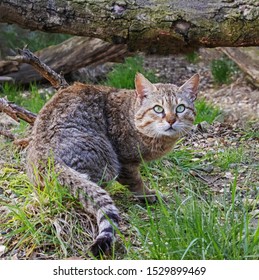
(152, 26)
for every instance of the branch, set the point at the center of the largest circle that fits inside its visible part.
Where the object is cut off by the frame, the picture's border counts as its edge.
(16, 112)
(66, 57)
(20, 143)
(7, 134)
(245, 62)
(26, 56)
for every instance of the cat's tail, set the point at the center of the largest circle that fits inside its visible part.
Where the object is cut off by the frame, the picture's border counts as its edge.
(96, 201)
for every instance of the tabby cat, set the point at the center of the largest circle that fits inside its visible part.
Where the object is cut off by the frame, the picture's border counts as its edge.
(97, 134)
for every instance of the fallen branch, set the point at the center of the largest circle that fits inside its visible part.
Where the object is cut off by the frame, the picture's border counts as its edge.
(245, 62)
(16, 112)
(26, 56)
(20, 143)
(65, 58)
(7, 134)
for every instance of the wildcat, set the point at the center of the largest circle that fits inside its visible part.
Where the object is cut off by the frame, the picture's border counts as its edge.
(98, 133)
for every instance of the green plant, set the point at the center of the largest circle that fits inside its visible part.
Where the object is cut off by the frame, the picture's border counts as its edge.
(46, 219)
(15, 37)
(123, 75)
(230, 156)
(192, 57)
(12, 92)
(221, 70)
(193, 227)
(30, 99)
(206, 111)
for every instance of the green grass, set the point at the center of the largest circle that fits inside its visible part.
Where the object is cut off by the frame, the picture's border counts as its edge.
(192, 57)
(192, 223)
(206, 111)
(45, 221)
(13, 37)
(229, 157)
(195, 228)
(30, 99)
(123, 75)
(222, 70)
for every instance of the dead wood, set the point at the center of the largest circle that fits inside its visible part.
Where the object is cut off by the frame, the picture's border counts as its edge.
(22, 143)
(72, 54)
(153, 26)
(7, 134)
(245, 62)
(26, 56)
(16, 112)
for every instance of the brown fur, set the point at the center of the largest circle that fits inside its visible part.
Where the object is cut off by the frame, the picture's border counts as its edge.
(97, 134)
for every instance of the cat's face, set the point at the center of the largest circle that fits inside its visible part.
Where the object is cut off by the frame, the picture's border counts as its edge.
(165, 109)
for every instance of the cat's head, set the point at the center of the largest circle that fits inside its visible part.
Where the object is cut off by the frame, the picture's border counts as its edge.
(165, 109)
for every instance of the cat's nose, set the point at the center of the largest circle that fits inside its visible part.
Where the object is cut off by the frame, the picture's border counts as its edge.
(171, 119)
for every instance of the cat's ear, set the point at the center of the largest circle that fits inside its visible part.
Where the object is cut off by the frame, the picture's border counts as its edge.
(190, 87)
(143, 86)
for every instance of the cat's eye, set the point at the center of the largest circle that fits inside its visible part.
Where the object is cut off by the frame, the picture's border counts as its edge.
(180, 108)
(158, 109)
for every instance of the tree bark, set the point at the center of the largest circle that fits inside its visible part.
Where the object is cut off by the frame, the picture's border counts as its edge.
(64, 58)
(153, 26)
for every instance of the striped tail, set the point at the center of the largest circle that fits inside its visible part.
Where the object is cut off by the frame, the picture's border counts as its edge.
(96, 201)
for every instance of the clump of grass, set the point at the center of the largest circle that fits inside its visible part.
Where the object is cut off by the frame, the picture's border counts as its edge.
(206, 111)
(123, 75)
(225, 159)
(13, 36)
(42, 220)
(12, 92)
(192, 227)
(222, 70)
(192, 57)
(31, 100)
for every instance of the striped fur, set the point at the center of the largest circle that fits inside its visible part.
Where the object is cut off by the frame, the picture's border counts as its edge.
(97, 134)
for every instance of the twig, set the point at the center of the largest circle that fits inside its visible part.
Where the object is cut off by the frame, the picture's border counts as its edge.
(22, 143)
(7, 134)
(16, 112)
(26, 56)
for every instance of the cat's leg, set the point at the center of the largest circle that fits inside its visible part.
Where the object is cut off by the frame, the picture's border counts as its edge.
(130, 177)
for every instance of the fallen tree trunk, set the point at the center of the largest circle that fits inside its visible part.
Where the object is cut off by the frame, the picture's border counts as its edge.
(153, 26)
(64, 58)
(246, 63)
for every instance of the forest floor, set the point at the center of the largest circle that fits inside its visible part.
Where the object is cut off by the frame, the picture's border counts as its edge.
(219, 154)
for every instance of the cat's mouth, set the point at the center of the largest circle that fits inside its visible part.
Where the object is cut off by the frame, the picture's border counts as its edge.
(170, 128)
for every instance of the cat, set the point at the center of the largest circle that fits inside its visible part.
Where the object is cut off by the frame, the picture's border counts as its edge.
(98, 133)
